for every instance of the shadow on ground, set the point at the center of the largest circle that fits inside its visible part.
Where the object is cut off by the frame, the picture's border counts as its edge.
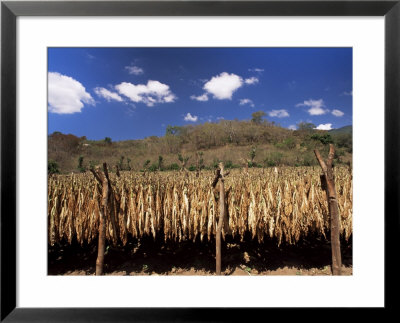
(149, 257)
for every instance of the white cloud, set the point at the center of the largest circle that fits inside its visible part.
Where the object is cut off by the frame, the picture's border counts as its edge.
(66, 95)
(350, 93)
(106, 94)
(203, 97)
(337, 113)
(190, 118)
(326, 126)
(134, 70)
(316, 106)
(292, 127)
(223, 86)
(150, 94)
(251, 80)
(316, 111)
(169, 98)
(246, 101)
(278, 113)
(257, 70)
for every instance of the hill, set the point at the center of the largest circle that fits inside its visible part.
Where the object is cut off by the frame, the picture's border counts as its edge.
(236, 143)
(342, 130)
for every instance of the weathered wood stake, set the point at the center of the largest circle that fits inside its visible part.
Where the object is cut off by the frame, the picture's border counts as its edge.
(103, 180)
(219, 178)
(220, 219)
(328, 184)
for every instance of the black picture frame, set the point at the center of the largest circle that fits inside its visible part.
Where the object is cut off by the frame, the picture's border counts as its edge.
(10, 10)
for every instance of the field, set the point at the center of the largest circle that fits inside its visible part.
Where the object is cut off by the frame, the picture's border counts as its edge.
(277, 209)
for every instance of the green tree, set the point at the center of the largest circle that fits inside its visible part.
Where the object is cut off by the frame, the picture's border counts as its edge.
(252, 155)
(200, 160)
(153, 168)
(107, 140)
(173, 130)
(52, 167)
(257, 117)
(289, 143)
(323, 138)
(121, 162)
(146, 164)
(215, 163)
(306, 126)
(229, 164)
(160, 162)
(273, 159)
(183, 160)
(80, 167)
(344, 140)
(173, 166)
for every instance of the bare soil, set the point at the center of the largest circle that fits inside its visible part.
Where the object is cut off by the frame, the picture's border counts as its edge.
(311, 256)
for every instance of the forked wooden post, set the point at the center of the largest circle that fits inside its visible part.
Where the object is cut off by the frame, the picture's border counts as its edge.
(103, 180)
(328, 184)
(219, 177)
(220, 219)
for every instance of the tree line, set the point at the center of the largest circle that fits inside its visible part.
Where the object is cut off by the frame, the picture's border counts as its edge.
(262, 144)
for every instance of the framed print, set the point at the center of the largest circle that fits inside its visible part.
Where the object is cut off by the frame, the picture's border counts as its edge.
(175, 127)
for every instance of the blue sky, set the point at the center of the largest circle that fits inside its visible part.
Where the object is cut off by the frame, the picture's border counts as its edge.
(132, 93)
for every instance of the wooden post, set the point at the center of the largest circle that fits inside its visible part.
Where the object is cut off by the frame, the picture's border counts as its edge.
(328, 184)
(220, 177)
(103, 180)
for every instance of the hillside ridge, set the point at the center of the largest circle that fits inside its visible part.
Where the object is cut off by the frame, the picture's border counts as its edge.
(236, 143)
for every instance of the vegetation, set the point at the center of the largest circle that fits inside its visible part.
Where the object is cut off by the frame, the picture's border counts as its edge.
(263, 143)
(306, 126)
(165, 186)
(52, 167)
(285, 205)
(80, 167)
(257, 117)
(325, 138)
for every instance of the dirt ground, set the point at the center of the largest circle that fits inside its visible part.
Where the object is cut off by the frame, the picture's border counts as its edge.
(148, 257)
